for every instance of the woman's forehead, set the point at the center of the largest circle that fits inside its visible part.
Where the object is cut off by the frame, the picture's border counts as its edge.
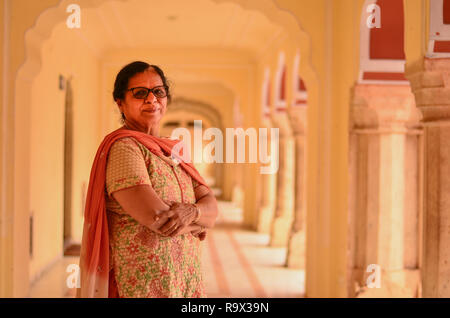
(147, 77)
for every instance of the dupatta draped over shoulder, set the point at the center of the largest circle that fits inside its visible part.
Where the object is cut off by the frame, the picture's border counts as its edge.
(96, 280)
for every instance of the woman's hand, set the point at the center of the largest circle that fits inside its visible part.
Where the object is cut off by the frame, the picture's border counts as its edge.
(159, 220)
(180, 216)
(200, 233)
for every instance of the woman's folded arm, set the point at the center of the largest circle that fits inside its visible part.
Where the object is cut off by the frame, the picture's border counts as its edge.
(143, 204)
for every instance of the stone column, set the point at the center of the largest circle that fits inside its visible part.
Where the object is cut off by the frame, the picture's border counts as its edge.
(284, 210)
(384, 205)
(268, 193)
(238, 193)
(297, 240)
(430, 82)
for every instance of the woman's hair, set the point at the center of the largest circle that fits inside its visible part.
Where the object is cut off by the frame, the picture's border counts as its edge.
(128, 71)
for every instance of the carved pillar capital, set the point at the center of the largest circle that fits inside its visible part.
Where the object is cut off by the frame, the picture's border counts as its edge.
(431, 87)
(383, 107)
(267, 122)
(298, 119)
(280, 119)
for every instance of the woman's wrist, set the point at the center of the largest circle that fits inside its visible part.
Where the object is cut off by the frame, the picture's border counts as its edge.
(198, 213)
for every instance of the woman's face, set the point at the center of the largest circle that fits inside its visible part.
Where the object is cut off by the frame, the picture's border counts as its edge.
(143, 113)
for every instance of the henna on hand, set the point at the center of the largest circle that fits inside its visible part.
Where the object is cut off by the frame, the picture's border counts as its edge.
(180, 216)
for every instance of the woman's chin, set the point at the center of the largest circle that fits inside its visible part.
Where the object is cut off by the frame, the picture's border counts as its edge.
(149, 114)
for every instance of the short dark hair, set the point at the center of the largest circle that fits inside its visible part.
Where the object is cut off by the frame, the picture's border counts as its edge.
(128, 71)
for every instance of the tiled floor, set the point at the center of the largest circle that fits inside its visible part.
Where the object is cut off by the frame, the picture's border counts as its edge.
(236, 263)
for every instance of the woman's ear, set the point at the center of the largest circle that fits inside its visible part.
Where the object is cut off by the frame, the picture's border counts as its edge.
(119, 104)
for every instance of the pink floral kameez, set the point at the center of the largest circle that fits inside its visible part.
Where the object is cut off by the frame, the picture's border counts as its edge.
(146, 264)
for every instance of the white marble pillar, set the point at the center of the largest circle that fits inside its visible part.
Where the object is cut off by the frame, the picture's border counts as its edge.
(268, 193)
(384, 205)
(284, 210)
(297, 239)
(430, 83)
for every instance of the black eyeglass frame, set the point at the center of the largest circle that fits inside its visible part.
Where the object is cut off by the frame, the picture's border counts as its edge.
(148, 91)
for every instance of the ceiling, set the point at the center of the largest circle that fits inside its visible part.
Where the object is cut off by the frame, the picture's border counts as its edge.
(176, 24)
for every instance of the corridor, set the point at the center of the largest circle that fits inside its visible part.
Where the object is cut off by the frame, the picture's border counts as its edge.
(321, 126)
(237, 263)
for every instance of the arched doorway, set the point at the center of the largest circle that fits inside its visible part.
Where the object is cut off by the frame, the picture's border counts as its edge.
(186, 114)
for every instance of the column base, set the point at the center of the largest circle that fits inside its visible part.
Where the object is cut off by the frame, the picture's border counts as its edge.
(265, 219)
(281, 228)
(393, 284)
(296, 250)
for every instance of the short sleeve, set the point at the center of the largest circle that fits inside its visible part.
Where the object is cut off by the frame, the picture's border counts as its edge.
(126, 166)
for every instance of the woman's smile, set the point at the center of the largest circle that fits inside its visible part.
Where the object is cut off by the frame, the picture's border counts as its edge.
(151, 110)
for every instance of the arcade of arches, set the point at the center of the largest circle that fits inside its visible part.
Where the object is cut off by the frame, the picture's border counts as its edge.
(360, 95)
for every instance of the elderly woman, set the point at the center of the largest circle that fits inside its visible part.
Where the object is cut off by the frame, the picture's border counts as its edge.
(146, 208)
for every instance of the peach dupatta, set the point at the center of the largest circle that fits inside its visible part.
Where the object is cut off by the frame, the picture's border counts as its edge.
(96, 279)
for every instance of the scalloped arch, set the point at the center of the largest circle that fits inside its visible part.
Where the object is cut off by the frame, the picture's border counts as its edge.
(41, 31)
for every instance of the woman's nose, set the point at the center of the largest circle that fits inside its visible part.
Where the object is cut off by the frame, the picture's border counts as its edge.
(150, 97)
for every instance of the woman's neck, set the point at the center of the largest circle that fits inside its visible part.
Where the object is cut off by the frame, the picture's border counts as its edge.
(151, 130)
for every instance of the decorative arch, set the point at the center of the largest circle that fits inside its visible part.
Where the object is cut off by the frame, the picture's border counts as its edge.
(382, 58)
(280, 83)
(265, 98)
(300, 96)
(439, 39)
(204, 111)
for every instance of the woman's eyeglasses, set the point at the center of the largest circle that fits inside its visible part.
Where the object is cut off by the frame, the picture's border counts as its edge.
(142, 92)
